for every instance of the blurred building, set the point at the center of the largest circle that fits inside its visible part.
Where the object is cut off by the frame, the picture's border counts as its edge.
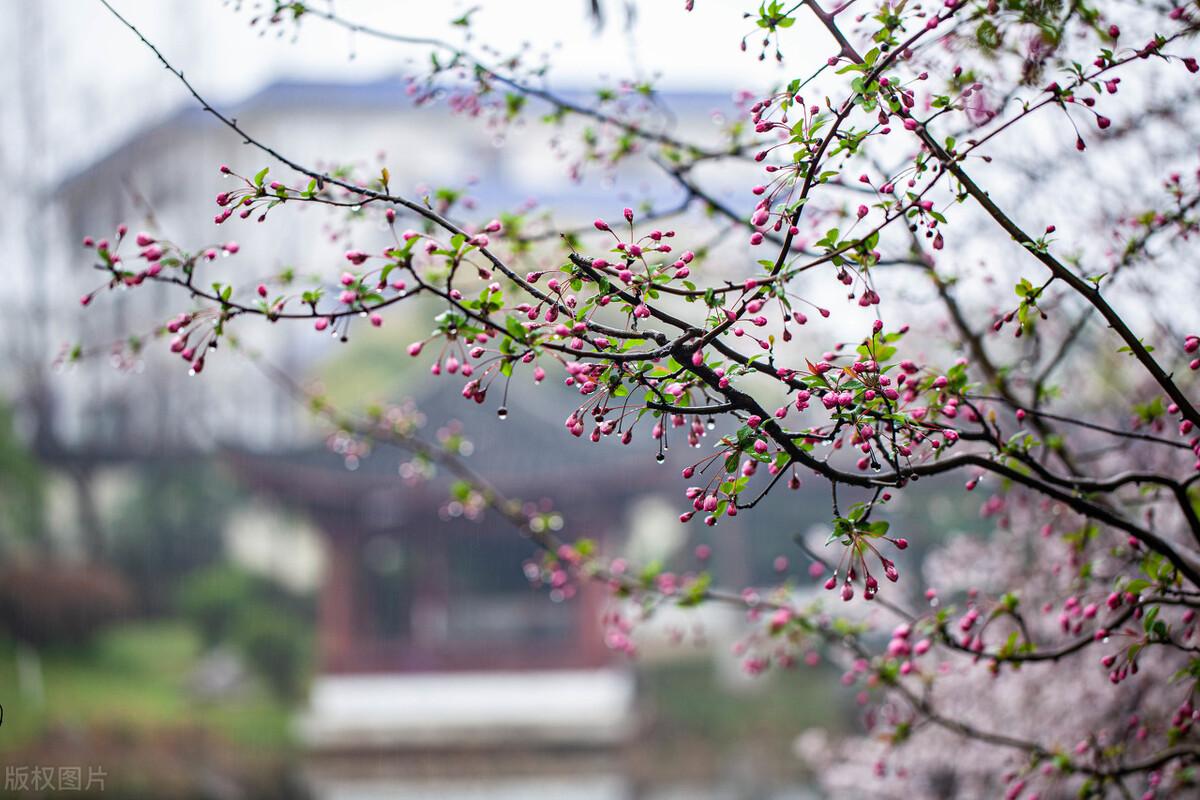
(428, 632)
(164, 179)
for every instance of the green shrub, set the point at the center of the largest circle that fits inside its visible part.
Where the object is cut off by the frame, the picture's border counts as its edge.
(210, 600)
(276, 644)
(267, 624)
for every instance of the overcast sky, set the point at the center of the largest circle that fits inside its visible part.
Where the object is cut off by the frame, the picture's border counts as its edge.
(92, 83)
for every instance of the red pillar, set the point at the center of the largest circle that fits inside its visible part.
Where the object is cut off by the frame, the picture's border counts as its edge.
(336, 607)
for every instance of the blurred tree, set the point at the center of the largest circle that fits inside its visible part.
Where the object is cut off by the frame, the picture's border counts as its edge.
(169, 528)
(22, 488)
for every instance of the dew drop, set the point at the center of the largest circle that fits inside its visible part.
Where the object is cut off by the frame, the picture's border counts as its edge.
(660, 458)
(502, 412)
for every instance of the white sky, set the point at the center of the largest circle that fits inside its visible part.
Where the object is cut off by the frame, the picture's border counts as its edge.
(98, 83)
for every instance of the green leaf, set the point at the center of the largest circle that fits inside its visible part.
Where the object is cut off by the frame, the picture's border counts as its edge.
(694, 594)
